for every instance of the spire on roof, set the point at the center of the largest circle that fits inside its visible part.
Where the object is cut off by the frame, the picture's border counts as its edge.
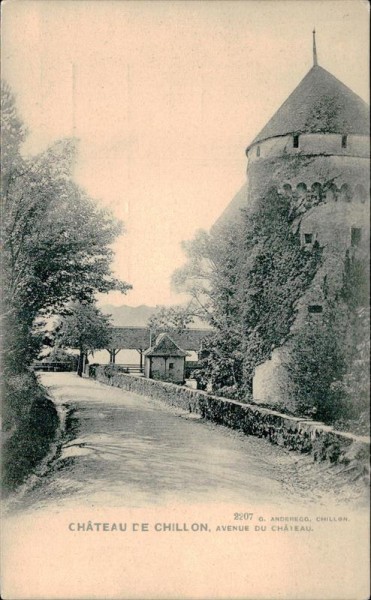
(315, 61)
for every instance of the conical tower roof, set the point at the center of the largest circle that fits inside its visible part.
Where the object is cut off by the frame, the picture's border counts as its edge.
(319, 104)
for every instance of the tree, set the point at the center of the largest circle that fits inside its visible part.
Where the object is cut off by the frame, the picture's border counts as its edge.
(85, 328)
(170, 318)
(355, 293)
(56, 240)
(13, 132)
(356, 381)
(197, 276)
(209, 276)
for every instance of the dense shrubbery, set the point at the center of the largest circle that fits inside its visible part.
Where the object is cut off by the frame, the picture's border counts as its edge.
(256, 270)
(30, 421)
(22, 390)
(329, 357)
(111, 370)
(247, 279)
(315, 364)
(276, 272)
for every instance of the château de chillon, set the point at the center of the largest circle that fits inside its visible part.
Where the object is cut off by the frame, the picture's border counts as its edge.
(315, 152)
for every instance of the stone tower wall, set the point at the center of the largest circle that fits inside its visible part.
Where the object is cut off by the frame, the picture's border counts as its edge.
(330, 186)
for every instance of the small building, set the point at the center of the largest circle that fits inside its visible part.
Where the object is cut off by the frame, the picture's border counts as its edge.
(165, 360)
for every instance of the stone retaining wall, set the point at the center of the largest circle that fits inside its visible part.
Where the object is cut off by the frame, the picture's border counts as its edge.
(294, 433)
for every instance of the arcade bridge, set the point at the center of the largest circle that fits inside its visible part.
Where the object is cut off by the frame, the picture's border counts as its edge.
(142, 338)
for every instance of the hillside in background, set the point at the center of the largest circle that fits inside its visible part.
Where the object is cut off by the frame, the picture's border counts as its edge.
(137, 316)
(130, 316)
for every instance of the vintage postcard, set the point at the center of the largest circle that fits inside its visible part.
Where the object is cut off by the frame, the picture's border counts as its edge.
(185, 300)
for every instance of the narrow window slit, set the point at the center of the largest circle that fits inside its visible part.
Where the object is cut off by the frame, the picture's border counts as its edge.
(315, 308)
(356, 235)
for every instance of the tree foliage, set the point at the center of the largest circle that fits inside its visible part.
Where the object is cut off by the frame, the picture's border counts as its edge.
(329, 358)
(249, 276)
(316, 365)
(252, 273)
(194, 277)
(56, 240)
(85, 328)
(276, 272)
(170, 318)
(13, 132)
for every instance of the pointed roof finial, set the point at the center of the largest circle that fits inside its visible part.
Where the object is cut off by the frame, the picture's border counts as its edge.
(315, 61)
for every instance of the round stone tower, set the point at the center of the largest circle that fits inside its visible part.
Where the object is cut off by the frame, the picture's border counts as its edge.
(319, 135)
(315, 149)
(317, 144)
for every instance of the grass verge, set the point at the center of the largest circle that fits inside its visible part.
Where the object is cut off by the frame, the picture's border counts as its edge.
(30, 428)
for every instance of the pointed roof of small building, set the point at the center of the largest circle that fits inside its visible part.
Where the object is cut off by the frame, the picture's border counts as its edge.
(165, 346)
(319, 104)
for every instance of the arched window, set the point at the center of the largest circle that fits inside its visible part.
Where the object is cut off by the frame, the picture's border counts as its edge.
(301, 190)
(331, 193)
(287, 190)
(316, 190)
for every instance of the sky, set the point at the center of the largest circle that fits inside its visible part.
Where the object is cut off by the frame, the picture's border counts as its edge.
(164, 97)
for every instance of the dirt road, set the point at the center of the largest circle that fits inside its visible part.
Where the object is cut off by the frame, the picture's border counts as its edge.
(123, 449)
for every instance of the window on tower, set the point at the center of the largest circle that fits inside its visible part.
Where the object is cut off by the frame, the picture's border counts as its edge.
(344, 141)
(355, 236)
(296, 141)
(258, 151)
(315, 309)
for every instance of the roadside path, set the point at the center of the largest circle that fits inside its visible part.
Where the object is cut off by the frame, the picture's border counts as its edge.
(125, 450)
